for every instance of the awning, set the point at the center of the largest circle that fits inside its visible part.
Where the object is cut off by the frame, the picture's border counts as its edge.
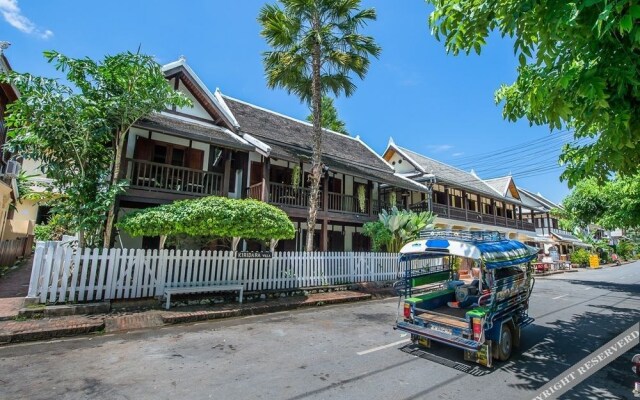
(541, 239)
(493, 253)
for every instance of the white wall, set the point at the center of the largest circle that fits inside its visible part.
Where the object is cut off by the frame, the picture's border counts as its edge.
(401, 165)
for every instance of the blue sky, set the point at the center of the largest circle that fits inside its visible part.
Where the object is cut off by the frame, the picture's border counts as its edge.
(428, 101)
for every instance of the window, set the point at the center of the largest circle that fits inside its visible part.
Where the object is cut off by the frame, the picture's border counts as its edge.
(487, 208)
(177, 157)
(159, 153)
(499, 209)
(438, 195)
(455, 198)
(473, 202)
(510, 211)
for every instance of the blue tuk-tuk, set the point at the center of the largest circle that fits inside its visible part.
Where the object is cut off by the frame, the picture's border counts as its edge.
(469, 290)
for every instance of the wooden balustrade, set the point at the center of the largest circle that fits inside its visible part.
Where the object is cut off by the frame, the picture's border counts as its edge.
(168, 178)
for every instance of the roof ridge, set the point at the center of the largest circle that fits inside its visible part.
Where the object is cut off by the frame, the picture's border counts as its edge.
(285, 116)
(443, 163)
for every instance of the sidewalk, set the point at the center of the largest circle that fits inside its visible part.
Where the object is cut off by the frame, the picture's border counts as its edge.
(17, 330)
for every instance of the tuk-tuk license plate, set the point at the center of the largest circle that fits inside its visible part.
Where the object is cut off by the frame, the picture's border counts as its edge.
(441, 329)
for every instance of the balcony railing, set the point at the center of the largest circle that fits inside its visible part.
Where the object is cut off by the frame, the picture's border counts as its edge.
(472, 216)
(290, 196)
(168, 178)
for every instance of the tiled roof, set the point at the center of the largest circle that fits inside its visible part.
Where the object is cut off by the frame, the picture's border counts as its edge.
(501, 185)
(452, 175)
(193, 129)
(292, 139)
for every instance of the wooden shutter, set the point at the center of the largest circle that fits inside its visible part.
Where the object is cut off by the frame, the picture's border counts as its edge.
(195, 158)
(143, 149)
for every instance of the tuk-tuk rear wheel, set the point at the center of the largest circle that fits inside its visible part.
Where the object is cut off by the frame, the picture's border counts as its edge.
(506, 343)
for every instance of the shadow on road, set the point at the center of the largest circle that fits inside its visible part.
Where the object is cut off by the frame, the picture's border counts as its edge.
(547, 351)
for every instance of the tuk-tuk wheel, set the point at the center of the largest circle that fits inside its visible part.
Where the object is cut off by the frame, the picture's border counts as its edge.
(506, 343)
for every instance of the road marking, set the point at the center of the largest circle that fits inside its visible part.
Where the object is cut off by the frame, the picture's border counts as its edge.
(588, 288)
(559, 297)
(386, 346)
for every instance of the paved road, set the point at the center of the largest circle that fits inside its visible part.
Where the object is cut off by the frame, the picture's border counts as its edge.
(335, 352)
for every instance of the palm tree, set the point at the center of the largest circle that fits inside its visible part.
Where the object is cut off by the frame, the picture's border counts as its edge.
(316, 48)
(330, 119)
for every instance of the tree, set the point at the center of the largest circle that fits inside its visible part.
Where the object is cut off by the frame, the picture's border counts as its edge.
(330, 119)
(123, 88)
(397, 228)
(316, 49)
(66, 133)
(216, 217)
(614, 204)
(579, 62)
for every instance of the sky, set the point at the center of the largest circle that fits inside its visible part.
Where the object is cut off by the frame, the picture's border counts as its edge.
(429, 101)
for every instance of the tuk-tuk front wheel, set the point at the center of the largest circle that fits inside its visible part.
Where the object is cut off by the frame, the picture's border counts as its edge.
(506, 343)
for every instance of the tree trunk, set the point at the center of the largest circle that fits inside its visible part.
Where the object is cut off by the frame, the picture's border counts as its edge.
(316, 158)
(108, 229)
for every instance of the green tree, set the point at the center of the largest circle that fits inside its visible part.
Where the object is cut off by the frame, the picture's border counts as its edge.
(579, 63)
(123, 88)
(316, 48)
(396, 228)
(215, 217)
(79, 135)
(613, 204)
(330, 119)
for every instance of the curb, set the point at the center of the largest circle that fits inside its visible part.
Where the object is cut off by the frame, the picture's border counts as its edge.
(49, 328)
(24, 331)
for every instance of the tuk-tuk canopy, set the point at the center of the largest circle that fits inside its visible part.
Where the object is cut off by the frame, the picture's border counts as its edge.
(493, 250)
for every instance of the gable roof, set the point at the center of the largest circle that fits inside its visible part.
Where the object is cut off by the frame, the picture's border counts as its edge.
(541, 200)
(503, 185)
(181, 70)
(292, 139)
(447, 173)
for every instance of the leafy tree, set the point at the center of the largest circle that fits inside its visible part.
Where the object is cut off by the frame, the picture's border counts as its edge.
(579, 63)
(78, 136)
(65, 132)
(397, 228)
(330, 119)
(123, 88)
(215, 217)
(614, 204)
(316, 48)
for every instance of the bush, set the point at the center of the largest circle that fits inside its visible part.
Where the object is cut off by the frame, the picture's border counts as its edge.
(53, 230)
(580, 257)
(624, 249)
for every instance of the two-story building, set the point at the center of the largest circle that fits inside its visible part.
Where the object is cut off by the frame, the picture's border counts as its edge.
(227, 147)
(460, 199)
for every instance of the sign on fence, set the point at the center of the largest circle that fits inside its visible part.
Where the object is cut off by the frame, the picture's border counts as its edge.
(254, 254)
(63, 273)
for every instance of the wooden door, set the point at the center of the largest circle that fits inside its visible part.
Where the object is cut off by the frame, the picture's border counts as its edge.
(195, 158)
(143, 149)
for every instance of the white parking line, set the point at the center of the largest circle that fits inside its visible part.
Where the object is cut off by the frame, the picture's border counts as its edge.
(559, 297)
(386, 346)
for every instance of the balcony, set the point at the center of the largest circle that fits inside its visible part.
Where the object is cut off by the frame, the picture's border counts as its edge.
(298, 197)
(460, 214)
(156, 177)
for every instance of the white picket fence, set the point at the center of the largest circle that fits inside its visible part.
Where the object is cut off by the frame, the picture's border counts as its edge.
(64, 274)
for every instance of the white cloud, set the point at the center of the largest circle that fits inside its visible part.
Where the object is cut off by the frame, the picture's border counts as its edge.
(457, 154)
(438, 148)
(12, 14)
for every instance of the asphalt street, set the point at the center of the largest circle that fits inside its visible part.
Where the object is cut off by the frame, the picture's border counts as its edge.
(347, 351)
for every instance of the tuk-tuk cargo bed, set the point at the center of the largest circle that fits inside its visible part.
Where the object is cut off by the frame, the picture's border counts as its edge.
(455, 341)
(442, 319)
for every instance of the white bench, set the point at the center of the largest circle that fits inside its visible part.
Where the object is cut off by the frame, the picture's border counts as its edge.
(201, 289)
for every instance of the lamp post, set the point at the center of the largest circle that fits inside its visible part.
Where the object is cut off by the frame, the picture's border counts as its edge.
(430, 180)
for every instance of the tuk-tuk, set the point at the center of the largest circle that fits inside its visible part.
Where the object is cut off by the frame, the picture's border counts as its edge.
(469, 290)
